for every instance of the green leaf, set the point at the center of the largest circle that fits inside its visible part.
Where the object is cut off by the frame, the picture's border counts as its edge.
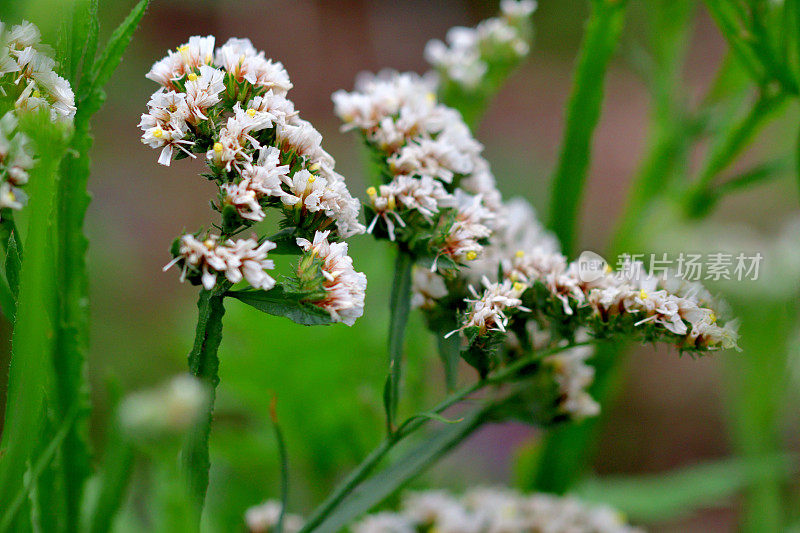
(679, 493)
(400, 305)
(279, 301)
(401, 471)
(31, 371)
(204, 364)
(32, 476)
(107, 63)
(583, 113)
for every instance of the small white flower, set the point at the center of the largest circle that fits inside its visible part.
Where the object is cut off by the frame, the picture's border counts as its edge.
(236, 260)
(344, 287)
(203, 91)
(487, 311)
(302, 138)
(165, 126)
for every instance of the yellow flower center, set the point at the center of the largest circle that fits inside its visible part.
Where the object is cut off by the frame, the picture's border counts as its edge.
(372, 191)
(218, 147)
(36, 93)
(712, 317)
(312, 179)
(208, 243)
(251, 113)
(643, 294)
(520, 254)
(520, 287)
(391, 204)
(158, 133)
(192, 76)
(472, 255)
(314, 167)
(431, 97)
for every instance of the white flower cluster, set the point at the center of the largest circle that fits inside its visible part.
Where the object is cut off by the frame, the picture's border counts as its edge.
(344, 287)
(492, 510)
(231, 104)
(470, 52)
(15, 162)
(684, 310)
(27, 75)
(264, 519)
(434, 163)
(236, 260)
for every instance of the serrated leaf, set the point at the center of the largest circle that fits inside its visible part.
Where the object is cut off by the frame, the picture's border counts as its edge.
(278, 301)
(105, 65)
(31, 371)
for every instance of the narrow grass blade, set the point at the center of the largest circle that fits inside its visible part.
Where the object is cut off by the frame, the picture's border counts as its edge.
(33, 474)
(105, 65)
(676, 494)
(582, 115)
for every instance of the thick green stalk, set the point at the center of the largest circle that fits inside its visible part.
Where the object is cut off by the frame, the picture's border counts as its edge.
(204, 364)
(31, 373)
(400, 306)
(757, 398)
(583, 113)
(72, 333)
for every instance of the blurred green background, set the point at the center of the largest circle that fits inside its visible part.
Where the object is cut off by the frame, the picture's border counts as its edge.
(328, 380)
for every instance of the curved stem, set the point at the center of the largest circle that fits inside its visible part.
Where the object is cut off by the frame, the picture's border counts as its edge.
(400, 306)
(204, 364)
(411, 425)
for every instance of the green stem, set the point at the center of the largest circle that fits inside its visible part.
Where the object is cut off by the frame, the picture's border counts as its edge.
(411, 425)
(582, 115)
(204, 364)
(400, 306)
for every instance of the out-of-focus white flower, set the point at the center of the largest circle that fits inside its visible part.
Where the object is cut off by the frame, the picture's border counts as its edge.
(170, 410)
(384, 523)
(573, 377)
(470, 53)
(16, 159)
(236, 260)
(27, 64)
(264, 518)
(344, 287)
(495, 510)
(427, 287)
